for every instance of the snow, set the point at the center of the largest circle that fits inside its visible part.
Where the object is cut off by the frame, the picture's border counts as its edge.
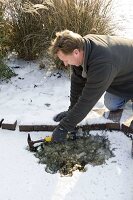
(21, 177)
(34, 97)
(123, 16)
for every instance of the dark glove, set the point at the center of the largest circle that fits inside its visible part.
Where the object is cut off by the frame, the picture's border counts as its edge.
(59, 134)
(60, 116)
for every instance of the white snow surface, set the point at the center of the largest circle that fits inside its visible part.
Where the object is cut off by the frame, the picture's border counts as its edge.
(34, 97)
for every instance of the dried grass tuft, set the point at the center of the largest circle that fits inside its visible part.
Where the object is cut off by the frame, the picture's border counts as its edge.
(33, 23)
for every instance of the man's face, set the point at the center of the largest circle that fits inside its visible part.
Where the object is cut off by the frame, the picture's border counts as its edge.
(74, 58)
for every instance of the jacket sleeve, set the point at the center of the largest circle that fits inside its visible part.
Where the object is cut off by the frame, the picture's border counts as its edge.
(99, 79)
(77, 85)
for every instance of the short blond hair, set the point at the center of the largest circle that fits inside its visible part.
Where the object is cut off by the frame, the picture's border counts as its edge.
(66, 41)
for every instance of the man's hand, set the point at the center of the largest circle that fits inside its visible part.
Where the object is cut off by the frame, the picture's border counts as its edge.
(60, 116)
(59, 134)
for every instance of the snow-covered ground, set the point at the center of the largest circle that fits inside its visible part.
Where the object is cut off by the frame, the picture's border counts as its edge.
(34, 97)
(21, 177)
(123, 17)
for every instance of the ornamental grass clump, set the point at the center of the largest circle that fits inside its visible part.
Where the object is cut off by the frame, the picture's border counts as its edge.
(26, 28)
(33, 23)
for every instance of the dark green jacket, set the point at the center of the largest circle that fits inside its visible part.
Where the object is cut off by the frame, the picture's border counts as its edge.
(108, 66)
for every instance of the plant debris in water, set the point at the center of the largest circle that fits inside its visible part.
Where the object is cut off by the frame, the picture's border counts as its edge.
(74, 154)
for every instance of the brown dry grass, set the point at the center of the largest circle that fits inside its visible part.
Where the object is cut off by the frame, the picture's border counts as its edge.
(33, 23)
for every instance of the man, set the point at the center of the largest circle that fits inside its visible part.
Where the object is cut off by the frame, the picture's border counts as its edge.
(99, 63)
